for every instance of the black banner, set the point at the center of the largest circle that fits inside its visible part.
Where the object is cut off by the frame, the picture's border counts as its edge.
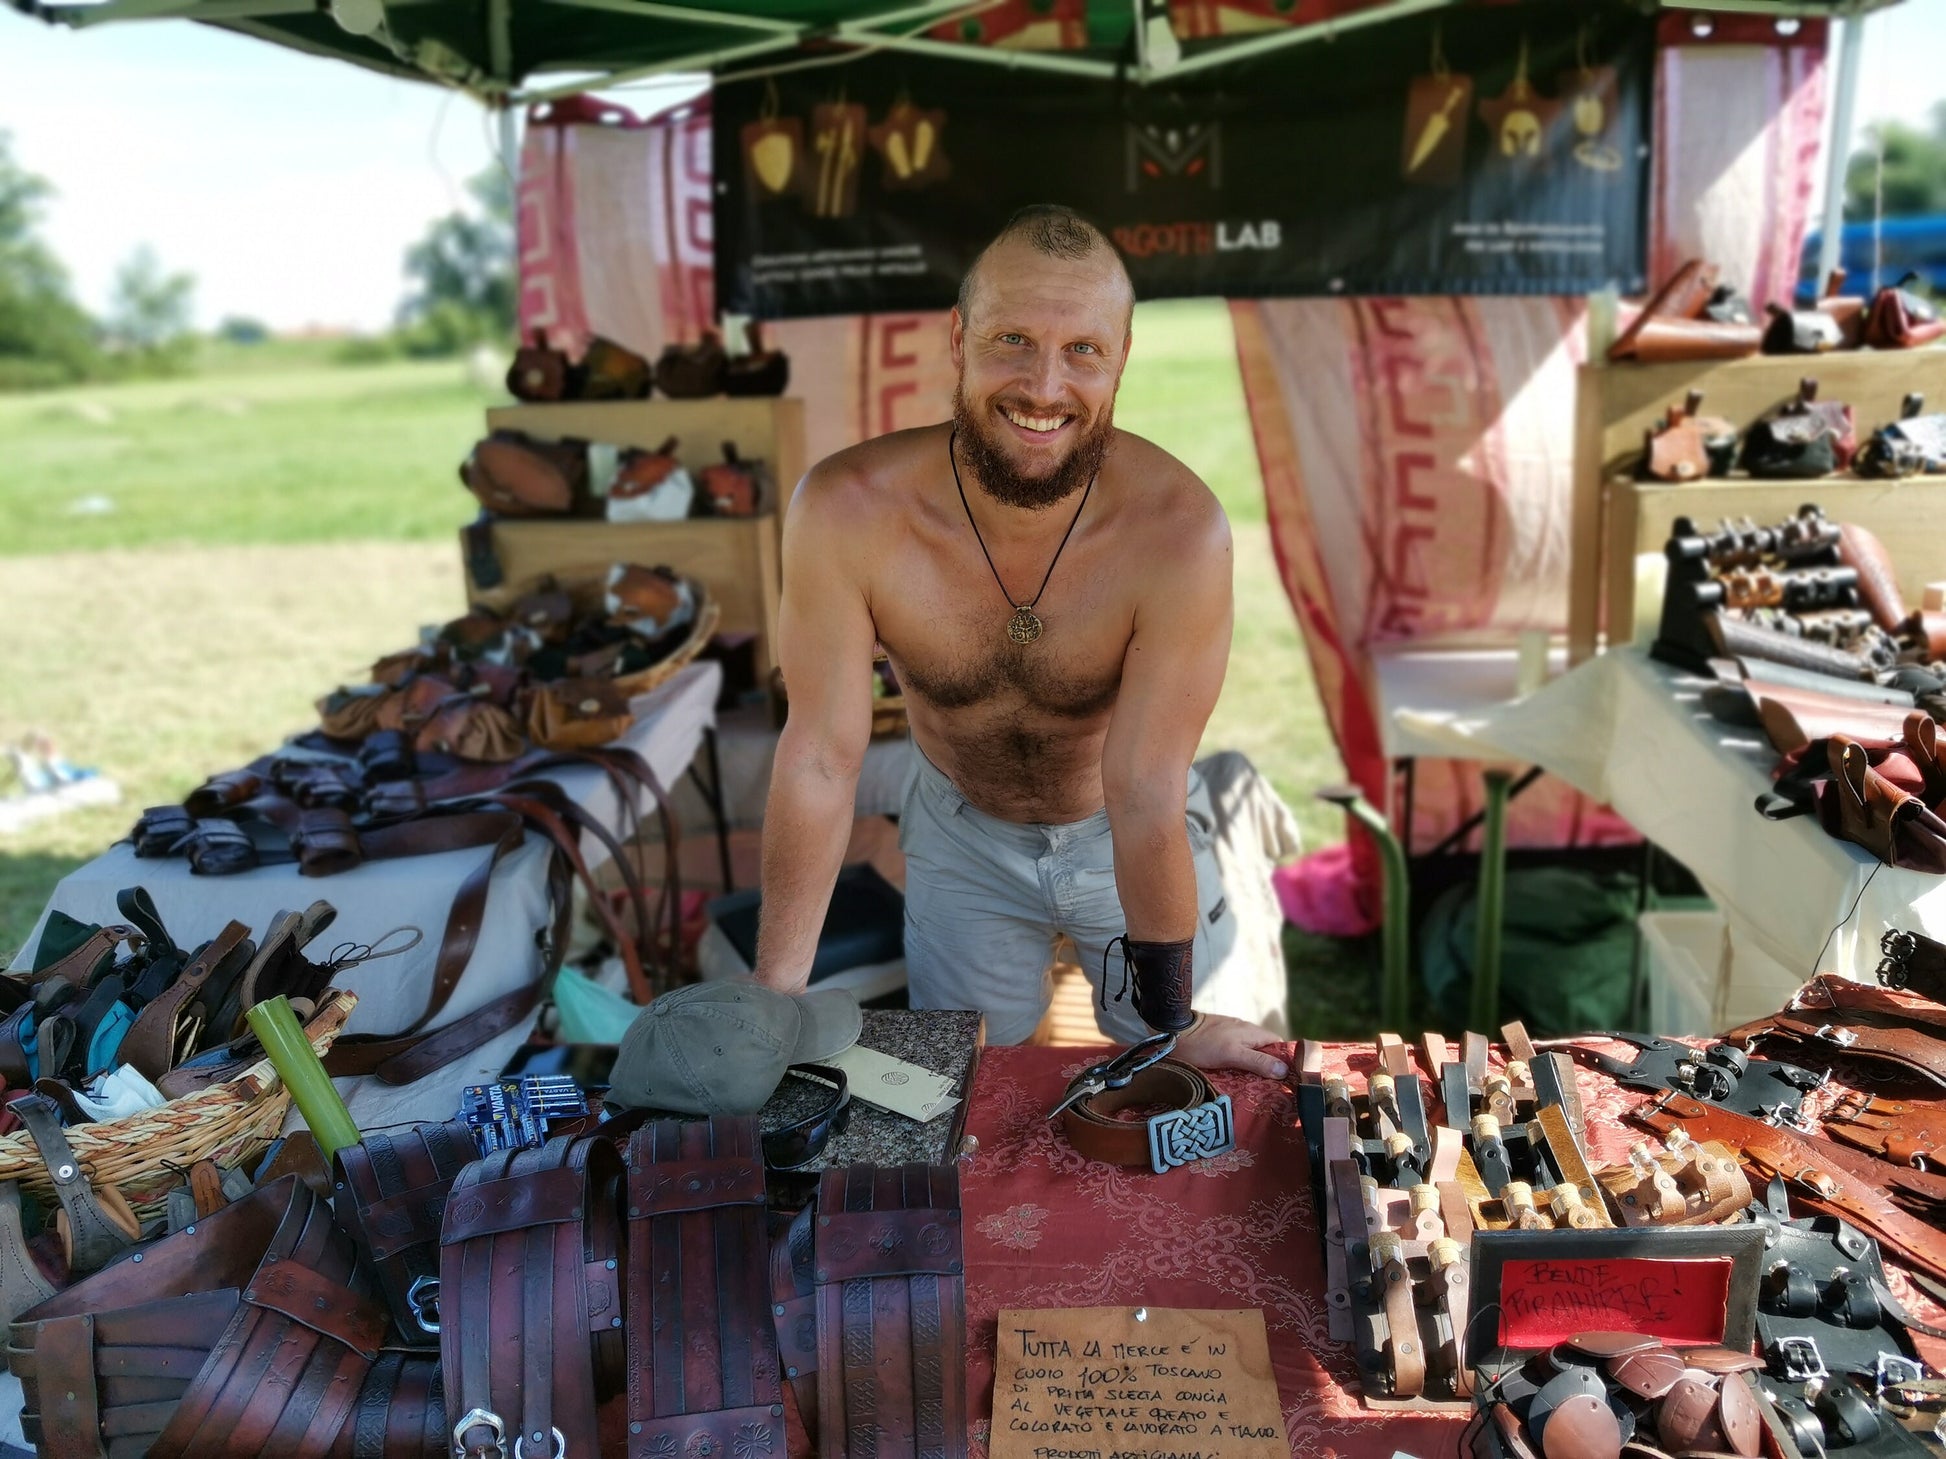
(1497, 150)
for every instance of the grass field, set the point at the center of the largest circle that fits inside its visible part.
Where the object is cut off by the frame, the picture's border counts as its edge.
(198, 559)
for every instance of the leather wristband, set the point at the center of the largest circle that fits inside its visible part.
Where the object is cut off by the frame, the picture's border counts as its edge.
(1163, 974)
(1195, 1122)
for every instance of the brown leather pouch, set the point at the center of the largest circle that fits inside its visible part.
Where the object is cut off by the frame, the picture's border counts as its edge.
(1927, 632)
(1688, 445)
(516, 476)
(693, 371)
(473, 728)
(731, 487)
(577, 714)
(641, 472)
(613, 372)
(392, 1198)
(759, 372)
(350, 714)
(1900, 320)
(1660, 341)
(1682, 297)
(538, 373)
(891, 1309)
(1802, 332)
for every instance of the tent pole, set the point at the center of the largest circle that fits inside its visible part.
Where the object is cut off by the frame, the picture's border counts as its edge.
(1830, 236)
(509, 134)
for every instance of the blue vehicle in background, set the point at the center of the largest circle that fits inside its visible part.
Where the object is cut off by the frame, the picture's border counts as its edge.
(1901, 246)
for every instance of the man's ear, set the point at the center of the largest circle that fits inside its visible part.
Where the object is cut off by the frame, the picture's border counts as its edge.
(957, 334)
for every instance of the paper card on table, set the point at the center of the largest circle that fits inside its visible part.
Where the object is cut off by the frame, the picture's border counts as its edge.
(905, 1089)
(1545, 1302)
(1095, 1383)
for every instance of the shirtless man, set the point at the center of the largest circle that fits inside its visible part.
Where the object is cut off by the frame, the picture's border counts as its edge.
(1054, 792)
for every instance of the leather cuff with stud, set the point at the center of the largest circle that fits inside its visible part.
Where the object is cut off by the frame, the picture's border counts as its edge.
(1161, 974)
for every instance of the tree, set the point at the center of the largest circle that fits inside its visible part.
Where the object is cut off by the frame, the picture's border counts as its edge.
(463, 273)
(148, 317)
(1915, 171)
(45, 337)
(240, 329)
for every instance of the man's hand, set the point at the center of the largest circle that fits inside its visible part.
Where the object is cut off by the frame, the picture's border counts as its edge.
(1230, 1043)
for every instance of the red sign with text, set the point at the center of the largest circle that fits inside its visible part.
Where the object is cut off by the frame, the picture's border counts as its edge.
(1546, 1302)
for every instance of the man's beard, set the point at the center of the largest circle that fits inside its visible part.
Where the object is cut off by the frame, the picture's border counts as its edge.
(996, 474)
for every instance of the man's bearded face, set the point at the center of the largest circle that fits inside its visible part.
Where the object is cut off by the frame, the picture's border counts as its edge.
(1030, 473)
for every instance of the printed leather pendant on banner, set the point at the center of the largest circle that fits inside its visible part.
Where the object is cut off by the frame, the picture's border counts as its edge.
(773, 148)
(1433, 147)
(1590, 93)
(1520, 116)
(837, 145)
(908, 143)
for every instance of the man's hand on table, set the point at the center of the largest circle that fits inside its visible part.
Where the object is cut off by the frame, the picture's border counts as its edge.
(1219, 1042)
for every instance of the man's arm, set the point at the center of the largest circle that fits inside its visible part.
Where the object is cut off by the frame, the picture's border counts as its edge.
(1171, 676)
(824, 646)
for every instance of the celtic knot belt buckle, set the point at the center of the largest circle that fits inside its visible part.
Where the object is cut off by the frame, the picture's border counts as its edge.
(1198, 1133)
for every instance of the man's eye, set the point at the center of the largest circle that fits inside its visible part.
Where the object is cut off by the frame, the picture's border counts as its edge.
(1086, 349)
(1012, 339)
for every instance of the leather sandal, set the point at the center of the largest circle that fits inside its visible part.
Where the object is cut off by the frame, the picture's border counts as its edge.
(1922, 748)
(95, 1226)
(169, 1027)
(279, 967)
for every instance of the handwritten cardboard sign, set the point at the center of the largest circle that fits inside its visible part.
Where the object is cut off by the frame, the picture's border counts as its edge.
(1543, 1302)
(1095, 1383)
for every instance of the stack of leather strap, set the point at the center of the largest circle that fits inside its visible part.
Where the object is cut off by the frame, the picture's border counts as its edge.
(252, 1332)
(391, 1195)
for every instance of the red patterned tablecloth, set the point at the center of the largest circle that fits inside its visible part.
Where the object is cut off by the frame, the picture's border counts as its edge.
(1046, 1227)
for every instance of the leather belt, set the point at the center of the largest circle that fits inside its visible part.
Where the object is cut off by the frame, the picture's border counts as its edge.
(1195, 1123)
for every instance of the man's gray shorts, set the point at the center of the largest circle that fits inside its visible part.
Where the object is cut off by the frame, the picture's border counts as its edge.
(987, 901)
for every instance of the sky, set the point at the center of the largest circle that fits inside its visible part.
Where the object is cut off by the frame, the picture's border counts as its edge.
(291, 185)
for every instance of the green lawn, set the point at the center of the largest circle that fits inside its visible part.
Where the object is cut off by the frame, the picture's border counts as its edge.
(201, 557)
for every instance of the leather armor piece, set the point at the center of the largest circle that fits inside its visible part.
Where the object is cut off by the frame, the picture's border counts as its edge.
(393, 1199)
(794, 1308)
(400, 1414)
(530, 1301)
(247, 1334)
(891, 1313)
(702, 1368)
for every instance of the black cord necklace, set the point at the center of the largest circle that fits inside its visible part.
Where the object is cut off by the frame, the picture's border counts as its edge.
(1025, 626)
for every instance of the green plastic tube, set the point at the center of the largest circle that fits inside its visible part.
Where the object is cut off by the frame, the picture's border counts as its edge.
(302, 1071)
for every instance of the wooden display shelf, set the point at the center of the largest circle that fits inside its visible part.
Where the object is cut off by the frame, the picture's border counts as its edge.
(737, 559)
(1616, 517)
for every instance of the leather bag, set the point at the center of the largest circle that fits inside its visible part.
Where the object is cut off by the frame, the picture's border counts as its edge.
(574, 714)
(613, 372)
(472, 728)
(392, 1192)
(891, 1312)
(693, 371)
(514, 475)
(530, 1298)
(759, 372)
(1675, 324)
(174, 1355)
(539, 373)
(1900, 320)
(732, 487)
(1804, 437)
(651, 486)
(703, 1369)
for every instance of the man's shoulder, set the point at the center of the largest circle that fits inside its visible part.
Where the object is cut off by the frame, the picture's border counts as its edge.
(858, 478)
(1171, 501)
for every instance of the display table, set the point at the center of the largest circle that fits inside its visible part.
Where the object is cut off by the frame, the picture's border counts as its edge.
(1046, 1227)
(418, 891)
(1632, 732)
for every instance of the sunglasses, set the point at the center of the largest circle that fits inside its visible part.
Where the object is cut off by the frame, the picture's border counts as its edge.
(796, 1145)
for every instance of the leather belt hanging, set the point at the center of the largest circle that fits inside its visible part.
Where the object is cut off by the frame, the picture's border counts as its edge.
(531, 1302)
(703, 1371)
(392, 1194)
(891, 1313)
(246, 1334)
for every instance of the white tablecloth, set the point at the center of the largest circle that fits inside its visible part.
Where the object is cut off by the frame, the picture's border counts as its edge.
(414, 891)
(1632, 732)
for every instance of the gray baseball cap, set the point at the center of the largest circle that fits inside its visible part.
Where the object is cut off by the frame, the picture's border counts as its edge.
(721, 1048)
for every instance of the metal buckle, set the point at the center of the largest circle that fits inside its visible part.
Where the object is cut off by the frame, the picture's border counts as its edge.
(560, 1447)
(1894, 1370)
(1781, 1116)
(1198, 1133)
(423, 1298)
(480, 1418)
(1798, 1359)
(1844, 1038)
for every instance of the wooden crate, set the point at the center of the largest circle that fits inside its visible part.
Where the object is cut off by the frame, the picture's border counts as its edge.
(738, 560)
(1615, 517)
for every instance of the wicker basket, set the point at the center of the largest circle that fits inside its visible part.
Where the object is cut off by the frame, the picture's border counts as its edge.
(702, 628)
(147, 1155)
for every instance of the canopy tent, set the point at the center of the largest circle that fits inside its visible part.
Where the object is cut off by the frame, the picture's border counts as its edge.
(516, 52)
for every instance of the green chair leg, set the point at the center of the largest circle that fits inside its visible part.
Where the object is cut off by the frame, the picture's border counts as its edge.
(1492, 903)
(1396, 929)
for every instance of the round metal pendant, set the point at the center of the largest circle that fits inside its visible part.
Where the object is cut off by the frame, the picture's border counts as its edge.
(1025, 626)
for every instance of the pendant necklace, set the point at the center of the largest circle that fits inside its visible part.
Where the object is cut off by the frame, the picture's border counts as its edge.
(1025, 626)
